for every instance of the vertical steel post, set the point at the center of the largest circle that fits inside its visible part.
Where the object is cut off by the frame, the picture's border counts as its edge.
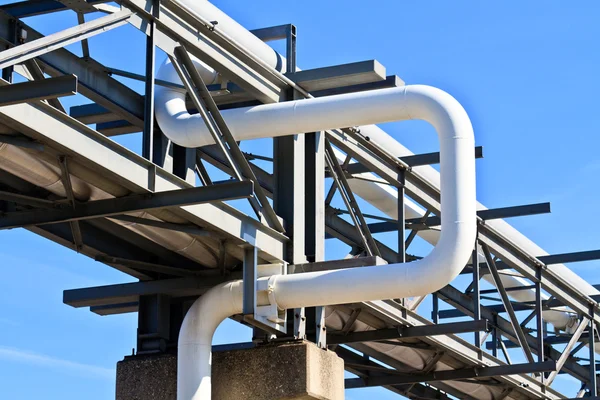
(538, 315)
(435, 312)
(153, 323)
(289, 184)
(250, 276)
(315, 196)
(12, 29)
(592, 343)
(148, 135)
(401, 217)
(495, 338)
(321, 329)
(476, 293)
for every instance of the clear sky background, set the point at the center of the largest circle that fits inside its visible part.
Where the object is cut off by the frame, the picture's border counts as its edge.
(526, 72)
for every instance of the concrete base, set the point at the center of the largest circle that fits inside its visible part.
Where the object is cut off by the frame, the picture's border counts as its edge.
(291, 371)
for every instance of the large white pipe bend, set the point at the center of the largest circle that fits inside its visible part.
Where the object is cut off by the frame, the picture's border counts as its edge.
(440, 267)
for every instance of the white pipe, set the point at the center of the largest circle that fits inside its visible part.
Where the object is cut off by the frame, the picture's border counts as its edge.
(421, 277)
(261, 50)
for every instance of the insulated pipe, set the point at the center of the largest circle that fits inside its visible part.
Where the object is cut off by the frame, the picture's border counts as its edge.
(255, 46)
(440, 267)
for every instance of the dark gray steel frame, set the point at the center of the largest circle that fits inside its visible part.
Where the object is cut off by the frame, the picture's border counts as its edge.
(515, 258)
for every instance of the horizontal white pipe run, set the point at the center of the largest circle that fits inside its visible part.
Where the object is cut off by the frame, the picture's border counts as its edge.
(418, 278)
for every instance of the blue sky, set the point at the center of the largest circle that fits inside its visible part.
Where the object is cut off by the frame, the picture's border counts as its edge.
(526, 72)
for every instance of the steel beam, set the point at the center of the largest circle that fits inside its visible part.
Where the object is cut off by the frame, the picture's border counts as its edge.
(314, 171)
(414, 160)
(566, 353)
(26, 92)
(94, 83)
(85, 46)
(345, 191)
(21, 141)
(35, 48)
(389, 82)
(338, 264)
(550, 340)
(148, 132)
(507, 304)
(92, 114)
(206, 43)
(391, 313)
(153, 323)
(27, 200)
(115, 128)
(495, 213)
(145, 266)
(24, 9)
(36, 74)
(467, 373)
(353, 361)
(105, 237)
(65, 178)
(122, 205)
(185, 228)
(79, 6)
(250, 278)
(113, 309)
(476, 295)
(410, 332)
(496, 308)
(578, 256)
(593, 387)
(272, 33)
(130, 292)
(223, 135)
(340, 75)
(123, 167)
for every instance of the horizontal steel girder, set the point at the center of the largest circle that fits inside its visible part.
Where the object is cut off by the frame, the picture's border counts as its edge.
(93, 82)
(132, 203)
(410, 332)
(495, 213)
(27, 51)
(130, 292)
(111, 161)
(467, 373)
(23, 9)
(26, 92)
(414, 160)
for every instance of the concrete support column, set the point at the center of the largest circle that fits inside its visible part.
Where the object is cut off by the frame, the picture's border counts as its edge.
(291, 371)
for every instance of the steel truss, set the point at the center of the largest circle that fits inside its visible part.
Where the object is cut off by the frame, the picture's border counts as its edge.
(294, 227)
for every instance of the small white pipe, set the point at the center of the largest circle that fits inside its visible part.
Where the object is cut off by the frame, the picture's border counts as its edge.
(440, 267)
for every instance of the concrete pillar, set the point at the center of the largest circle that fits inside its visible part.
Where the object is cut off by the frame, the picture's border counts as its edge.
(292, 371)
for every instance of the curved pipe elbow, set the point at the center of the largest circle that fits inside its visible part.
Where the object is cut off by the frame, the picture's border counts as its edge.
(194, 351)
(440, 267)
